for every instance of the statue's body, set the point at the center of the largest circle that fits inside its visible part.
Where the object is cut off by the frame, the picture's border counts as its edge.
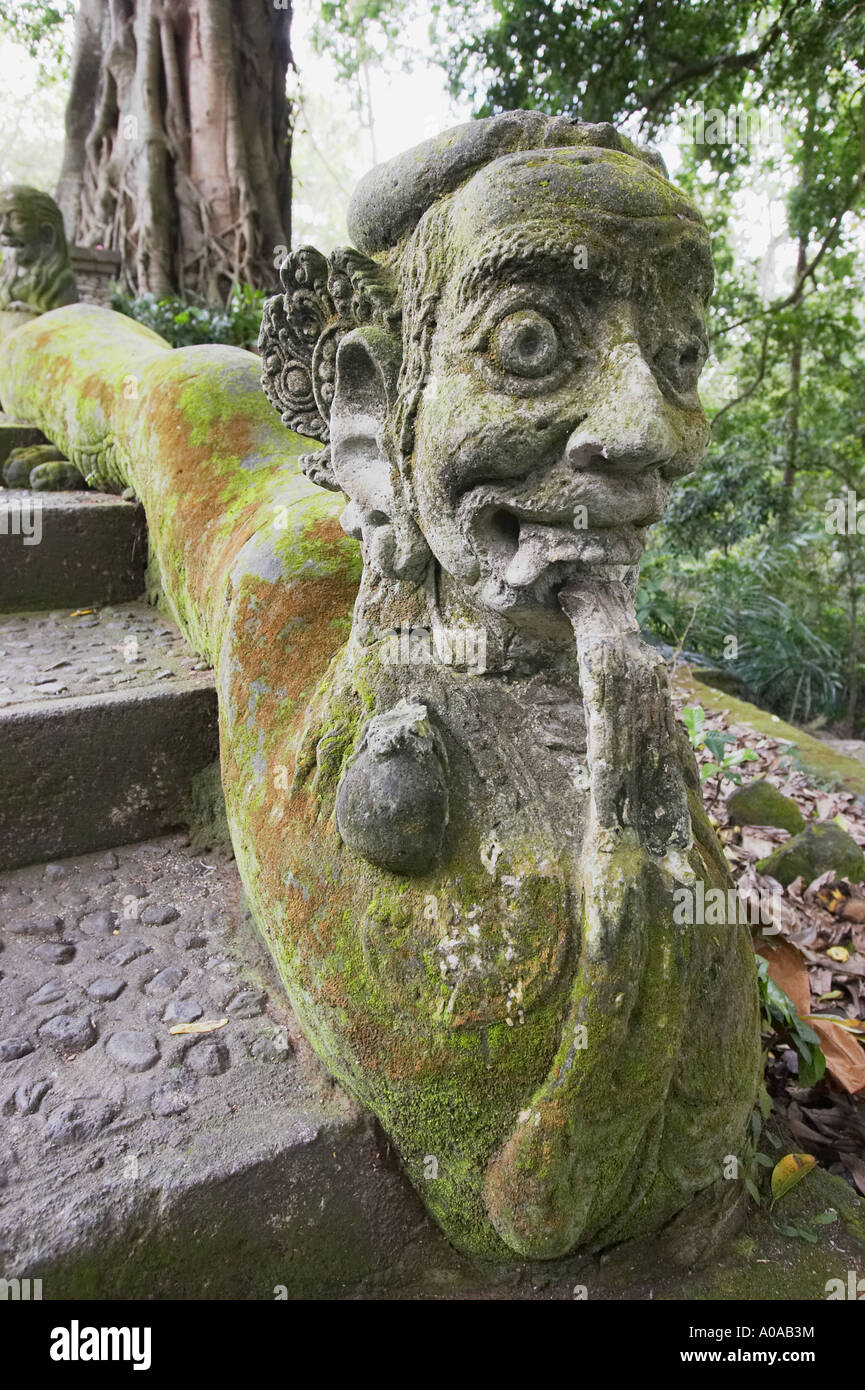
(464, 865)
(35, 273)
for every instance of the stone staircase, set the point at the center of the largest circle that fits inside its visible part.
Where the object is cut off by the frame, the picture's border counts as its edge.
(136, 1161)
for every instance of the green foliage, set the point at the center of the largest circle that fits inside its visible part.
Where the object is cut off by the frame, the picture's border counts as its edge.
(788, 651)
(44, 30)
(182, 323)
(780, 1018)
(722, 763)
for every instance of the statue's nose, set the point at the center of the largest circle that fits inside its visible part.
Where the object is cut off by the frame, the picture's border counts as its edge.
(627, 429)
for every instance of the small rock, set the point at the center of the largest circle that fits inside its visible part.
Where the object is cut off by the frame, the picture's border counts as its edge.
(134, 1051)
(101, 923)
(14, 900)
(168, 1102)
(125, 955)
(108, 860)
(190, 940)
(818, 848)
(69, 1032)
(78, 1119)
(166, 981)
(34, 926)
(56, 952)
(207, 1058)
(106, 987)
(761, 804)
(249, 1003)
(49, 993)
(182, 1011)
(74, 897)
(55, 871)
(29, 1097)
(13, 1048)
(159, 915)
(275, 1048)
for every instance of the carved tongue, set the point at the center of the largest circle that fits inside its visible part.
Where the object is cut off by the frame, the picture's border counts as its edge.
(538, 547)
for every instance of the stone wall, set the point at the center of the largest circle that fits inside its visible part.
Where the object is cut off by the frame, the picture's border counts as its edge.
(95, 270)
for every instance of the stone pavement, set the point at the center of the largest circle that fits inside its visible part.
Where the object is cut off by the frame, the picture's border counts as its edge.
(140, 1162)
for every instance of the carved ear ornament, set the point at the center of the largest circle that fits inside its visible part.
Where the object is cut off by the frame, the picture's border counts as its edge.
(324, 298)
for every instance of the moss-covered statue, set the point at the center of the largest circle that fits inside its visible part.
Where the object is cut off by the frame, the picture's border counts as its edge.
(35, 273)
(460, 802)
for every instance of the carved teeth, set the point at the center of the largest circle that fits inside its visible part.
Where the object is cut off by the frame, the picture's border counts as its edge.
(538, 547)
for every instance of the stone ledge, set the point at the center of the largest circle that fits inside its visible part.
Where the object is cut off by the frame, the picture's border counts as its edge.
(91, 548)
(89, 773)
(15, 435)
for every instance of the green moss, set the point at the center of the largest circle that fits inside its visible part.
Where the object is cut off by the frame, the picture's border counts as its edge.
(812, 852)
(759, 803)
(826, 766)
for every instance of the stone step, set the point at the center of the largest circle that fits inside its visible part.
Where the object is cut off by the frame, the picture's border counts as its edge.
(106, 718)
(15, 435)
(137, 1163)
(75, 548)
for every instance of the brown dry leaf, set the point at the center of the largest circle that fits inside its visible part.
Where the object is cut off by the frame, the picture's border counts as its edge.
(816, 884)
(204, 1025)
(855, 1165)
(821, 982)
(854, 910)
(791, 1169)
(853, 1025)
(845, 1059)
(757, 844)
(787, 969)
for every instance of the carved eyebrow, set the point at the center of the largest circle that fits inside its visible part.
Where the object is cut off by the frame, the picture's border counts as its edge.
(518, 256)
(507, 254)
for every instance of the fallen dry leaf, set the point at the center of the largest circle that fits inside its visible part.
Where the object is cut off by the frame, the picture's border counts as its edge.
(789, 1171)
(845, 1059)
(856, 1166)
(204, 1025)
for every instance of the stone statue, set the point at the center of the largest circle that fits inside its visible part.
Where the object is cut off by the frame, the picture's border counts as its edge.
(35, 274)
(460, 802)
(505, 374)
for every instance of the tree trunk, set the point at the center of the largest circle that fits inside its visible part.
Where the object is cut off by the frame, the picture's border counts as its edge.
(178, 141)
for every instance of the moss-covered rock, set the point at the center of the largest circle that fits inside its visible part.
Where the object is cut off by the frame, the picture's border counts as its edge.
(21, 462)
(759, 803)
(56, 476)
(811, 853)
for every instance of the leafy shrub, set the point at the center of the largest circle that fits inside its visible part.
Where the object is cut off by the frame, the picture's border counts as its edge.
(182, 323)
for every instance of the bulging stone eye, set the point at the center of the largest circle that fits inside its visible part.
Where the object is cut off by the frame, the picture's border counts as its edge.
(526, 344)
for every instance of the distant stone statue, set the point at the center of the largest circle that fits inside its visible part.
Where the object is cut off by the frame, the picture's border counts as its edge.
(504, 372)
(35, 273)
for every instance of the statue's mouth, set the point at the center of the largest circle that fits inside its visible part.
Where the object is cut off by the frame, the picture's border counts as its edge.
(528, 548)
(523, 549)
